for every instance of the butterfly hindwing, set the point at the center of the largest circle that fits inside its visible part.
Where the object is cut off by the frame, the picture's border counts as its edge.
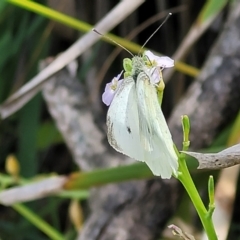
(154, 133)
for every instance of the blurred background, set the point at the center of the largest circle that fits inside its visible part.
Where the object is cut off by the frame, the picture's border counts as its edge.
(33, 141)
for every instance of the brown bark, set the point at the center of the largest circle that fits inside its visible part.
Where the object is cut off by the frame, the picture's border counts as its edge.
(212, 101)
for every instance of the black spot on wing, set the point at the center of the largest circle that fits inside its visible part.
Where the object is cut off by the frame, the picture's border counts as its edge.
(148, 129)
(129, 129)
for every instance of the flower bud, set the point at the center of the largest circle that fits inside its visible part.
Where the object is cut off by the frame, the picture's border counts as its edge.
(12, 165)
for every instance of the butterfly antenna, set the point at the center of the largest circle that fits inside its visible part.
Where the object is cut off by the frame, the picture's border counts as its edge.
(94, 30)
(167, 17)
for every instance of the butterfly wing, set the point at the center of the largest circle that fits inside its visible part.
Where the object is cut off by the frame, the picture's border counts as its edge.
(155, 136)
(123, 121)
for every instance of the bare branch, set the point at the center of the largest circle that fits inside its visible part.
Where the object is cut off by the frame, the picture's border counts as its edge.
(32, 191)
(226, 158)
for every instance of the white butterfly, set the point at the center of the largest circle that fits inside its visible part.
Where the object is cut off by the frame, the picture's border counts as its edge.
(135, 122)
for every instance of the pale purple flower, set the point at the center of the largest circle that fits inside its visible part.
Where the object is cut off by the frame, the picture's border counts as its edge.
(156, 75)
(110, 89)
(162, 62)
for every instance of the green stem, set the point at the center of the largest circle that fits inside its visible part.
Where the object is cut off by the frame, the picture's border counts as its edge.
(185, 178)
(38, 222)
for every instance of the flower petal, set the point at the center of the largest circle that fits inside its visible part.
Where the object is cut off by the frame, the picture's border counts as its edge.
(156, 75)
(110, 90)
(163, 62)
(107, 97)
(150, 55)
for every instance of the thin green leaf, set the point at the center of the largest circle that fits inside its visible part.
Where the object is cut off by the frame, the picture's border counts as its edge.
(235, 132)
(48, 134)
(38, 222)
(81, 195)
(211, 9)
(28, 127)
(100, 177)
(3, 4)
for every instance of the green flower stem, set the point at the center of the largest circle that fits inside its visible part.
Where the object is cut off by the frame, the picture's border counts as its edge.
(211, 205)
(186, 131)
(160, 90)
(38, 222)
(160, 97)
(185, 178)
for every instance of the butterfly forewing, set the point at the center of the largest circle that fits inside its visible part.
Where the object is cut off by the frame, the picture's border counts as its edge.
(123, 121)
